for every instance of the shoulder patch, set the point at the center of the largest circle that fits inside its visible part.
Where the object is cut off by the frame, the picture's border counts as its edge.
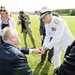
(56, 21)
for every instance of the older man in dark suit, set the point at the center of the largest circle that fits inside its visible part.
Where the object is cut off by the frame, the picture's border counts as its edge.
(12, 59)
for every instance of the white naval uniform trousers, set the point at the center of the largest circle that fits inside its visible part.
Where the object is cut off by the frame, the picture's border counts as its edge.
(62, 37)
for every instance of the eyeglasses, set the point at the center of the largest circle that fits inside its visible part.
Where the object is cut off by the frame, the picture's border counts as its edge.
(2, 10)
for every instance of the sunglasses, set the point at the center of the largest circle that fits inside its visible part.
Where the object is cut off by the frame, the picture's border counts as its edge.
(2, 10)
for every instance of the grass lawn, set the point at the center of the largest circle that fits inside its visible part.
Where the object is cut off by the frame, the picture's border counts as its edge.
(34, 59)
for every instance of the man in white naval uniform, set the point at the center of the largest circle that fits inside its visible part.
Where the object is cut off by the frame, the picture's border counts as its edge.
(57, 28)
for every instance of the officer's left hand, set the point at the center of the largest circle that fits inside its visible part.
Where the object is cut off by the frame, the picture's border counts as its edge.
(43, 49)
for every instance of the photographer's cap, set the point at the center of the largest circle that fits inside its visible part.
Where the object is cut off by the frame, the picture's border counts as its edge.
(44, 11)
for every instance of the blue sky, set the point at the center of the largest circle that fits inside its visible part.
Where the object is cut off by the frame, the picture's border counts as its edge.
(32, 5)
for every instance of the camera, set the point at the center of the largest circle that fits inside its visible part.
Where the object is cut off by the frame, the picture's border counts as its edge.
(22, 16)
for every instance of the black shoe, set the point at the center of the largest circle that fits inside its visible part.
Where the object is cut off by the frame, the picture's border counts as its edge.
(56, 71)
(50, 61)
(41, 63)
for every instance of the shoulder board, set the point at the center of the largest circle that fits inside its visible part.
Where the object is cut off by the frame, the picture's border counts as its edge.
(56, 21)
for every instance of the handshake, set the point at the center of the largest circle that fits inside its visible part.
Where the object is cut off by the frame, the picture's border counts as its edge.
(39, 50)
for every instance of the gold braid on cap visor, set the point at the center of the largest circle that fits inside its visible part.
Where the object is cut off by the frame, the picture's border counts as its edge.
(43, 15)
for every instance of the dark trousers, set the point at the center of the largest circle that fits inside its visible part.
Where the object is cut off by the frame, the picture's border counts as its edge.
(1, 41)
(50, 54)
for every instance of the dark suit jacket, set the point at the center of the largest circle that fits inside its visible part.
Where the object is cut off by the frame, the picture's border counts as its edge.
(13, 61)
(42, 28)
(68, 66)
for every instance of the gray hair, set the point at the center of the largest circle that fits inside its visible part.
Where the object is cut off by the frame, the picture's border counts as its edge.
(7, 32)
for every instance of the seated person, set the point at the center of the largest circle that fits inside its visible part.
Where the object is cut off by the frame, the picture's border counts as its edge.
(12, 59)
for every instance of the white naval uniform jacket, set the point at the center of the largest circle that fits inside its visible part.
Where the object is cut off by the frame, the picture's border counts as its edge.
(60, 32)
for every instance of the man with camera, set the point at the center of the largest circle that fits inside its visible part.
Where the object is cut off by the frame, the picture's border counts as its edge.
(24, 20)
